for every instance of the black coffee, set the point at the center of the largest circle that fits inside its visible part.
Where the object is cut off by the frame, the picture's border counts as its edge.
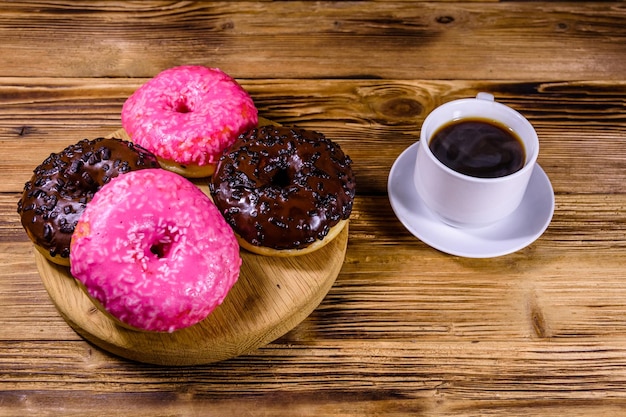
(478, 147)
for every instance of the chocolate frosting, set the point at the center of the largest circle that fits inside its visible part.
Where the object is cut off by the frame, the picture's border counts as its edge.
(283, 188)
(55, 197)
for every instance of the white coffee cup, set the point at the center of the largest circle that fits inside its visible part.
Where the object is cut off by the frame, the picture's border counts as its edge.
(466, 201)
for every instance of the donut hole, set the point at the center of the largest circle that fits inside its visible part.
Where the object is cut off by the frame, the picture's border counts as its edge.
(182, 106)
(161, 249)
(281, 178)
(162, 245)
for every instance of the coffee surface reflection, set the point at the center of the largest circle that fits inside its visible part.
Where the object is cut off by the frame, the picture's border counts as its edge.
(479, 148)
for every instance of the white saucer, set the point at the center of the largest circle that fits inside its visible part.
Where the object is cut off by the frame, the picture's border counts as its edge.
(511, 234)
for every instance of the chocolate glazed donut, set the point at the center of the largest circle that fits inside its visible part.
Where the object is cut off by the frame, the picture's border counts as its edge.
(56, 196)
(283, 188)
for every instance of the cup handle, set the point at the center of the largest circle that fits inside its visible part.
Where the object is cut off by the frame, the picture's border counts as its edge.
(485, 96)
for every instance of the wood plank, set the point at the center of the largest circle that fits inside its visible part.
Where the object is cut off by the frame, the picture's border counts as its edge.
(43, 115)
(397, 379)
(405, 329)
(437, 331)
(441, 40)
(567, 284)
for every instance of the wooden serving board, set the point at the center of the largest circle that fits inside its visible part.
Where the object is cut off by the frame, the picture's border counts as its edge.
(271, 297)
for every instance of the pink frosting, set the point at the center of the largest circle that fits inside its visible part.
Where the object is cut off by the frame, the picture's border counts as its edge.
(154, 251)
(189, 114)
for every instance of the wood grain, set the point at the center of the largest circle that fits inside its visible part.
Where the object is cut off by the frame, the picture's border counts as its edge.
(303, 39)
(402, 325)
(405, 329)
(358, 114)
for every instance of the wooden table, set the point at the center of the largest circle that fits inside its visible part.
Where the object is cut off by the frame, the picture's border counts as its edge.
(406, 329)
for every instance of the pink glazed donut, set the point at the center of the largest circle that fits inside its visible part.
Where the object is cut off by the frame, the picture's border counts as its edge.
(153, 251)
(187, 116)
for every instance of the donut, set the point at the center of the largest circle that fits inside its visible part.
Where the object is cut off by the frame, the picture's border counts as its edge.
(154, 252)
(61, 186)
(284, 191)
(187, 116)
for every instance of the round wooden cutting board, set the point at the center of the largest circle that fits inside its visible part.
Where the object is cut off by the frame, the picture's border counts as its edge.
(271, 297)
